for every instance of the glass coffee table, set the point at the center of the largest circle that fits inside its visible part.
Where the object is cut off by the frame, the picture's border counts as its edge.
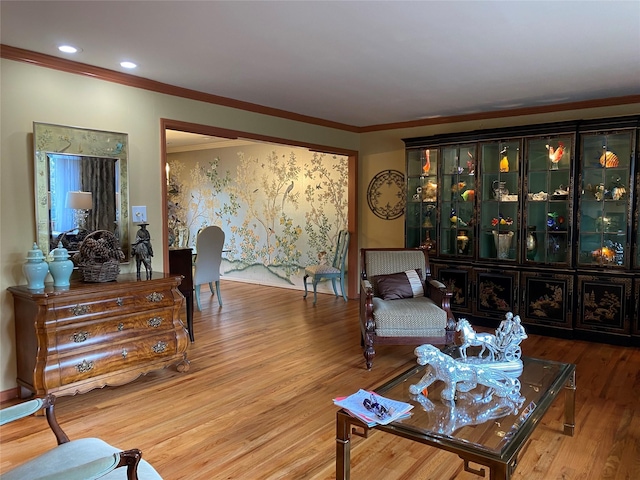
(489, 433)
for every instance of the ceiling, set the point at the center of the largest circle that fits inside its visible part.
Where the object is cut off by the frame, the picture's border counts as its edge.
(358, 63)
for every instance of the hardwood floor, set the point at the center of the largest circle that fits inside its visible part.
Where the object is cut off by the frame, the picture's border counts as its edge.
(257, 403)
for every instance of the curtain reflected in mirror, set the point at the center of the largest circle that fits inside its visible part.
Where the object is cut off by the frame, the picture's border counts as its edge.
(96, 179)
(71, 163)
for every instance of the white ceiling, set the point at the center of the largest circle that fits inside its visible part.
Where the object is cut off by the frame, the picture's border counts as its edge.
(359, 63)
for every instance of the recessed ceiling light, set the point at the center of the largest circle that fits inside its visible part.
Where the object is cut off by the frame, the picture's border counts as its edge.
(68, 49)
(128, 65)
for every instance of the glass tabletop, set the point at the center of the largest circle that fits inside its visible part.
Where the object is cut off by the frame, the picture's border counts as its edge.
(477, 422)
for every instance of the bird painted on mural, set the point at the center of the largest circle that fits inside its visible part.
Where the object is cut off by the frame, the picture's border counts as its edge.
(286, 192)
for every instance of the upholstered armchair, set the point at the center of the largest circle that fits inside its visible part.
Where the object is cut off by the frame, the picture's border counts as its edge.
(400, 304)
(82, 459)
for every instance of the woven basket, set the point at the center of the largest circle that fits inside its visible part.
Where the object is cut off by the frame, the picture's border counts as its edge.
(99, 257)
(100, 272)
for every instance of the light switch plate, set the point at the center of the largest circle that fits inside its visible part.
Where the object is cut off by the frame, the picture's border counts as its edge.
(139, 214)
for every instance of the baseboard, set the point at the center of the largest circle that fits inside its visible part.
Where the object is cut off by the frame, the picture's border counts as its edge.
(9, 394)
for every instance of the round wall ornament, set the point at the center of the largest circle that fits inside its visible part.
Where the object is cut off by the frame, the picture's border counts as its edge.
(386, 194)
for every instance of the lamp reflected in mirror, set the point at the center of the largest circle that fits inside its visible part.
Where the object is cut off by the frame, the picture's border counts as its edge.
(80, 203)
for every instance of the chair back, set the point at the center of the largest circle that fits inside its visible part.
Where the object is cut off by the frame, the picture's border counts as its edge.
(342, 248)
(385, 261)
(209, 245)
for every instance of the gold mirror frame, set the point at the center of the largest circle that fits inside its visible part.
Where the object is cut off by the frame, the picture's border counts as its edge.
(60, 139)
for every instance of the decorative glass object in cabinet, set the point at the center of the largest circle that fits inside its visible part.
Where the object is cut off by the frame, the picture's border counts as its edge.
(458, 200)
(422, 181)
(605, 211)
(547, 200)
(500, 185)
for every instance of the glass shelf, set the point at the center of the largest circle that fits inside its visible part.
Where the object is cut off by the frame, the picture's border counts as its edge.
(605, 209)
(500, 200)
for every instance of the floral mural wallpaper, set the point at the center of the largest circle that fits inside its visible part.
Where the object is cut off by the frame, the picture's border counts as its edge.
(279, 206)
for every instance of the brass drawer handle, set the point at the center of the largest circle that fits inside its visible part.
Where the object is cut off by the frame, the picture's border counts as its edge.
(155, 297)
(80, 337)
(160, 347)
(80, 310)
(124, 353)
(84, 367)
(154, 322)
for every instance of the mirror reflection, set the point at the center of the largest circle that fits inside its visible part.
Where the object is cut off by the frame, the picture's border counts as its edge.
(81, 185)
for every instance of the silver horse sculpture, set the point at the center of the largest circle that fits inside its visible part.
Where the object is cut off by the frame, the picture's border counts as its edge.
(470, 338)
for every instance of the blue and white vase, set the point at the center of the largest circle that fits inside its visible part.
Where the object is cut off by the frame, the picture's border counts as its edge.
(35, 269)
(60, 267)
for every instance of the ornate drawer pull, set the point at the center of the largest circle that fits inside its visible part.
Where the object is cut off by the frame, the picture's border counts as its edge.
(124, 353)
(154, 322)
(80, 337)
(80, 310)
(120, 326)
(84, 367)
(160, 347)
(155, 297)
(119, 301)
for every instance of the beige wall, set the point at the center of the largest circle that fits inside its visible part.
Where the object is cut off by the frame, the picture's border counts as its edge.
(29, 93)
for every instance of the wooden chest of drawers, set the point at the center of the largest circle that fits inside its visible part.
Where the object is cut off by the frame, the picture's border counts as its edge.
(97, 334)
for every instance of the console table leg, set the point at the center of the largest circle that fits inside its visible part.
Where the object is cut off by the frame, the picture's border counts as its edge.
(343, 447)
(570, 405)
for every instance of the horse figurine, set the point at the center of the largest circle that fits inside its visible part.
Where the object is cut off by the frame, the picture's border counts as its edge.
(470, 338)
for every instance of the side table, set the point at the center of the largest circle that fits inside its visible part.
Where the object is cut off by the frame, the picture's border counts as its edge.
(181, 263)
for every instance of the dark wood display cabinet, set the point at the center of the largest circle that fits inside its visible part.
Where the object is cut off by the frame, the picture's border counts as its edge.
(534, 220)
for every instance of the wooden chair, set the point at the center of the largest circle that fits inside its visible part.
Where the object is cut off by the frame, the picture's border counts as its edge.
(335, 271)
(74, 459)
(394, 310)
(209, 243)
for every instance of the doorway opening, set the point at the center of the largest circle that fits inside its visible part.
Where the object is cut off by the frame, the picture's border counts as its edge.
(188, 136)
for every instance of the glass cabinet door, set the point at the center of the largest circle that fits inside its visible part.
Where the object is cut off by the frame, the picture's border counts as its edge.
(500, 186)
(458, 200)
(605, 210)
(422, 198)
(547, 203)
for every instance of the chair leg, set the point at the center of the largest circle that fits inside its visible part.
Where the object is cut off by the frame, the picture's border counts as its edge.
(218, 292)
(344, 293)
(315, 290)
(333, 283)
(304, 279)
(211, 288)
(197, 295)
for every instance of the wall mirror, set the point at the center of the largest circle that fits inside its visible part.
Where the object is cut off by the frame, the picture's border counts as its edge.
(80, 185)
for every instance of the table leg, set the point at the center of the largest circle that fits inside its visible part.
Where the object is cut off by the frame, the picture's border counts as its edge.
(570, 405)
(343, 446)
(189, 300)
(500, 471)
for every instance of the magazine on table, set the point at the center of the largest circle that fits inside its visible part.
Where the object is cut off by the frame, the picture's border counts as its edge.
(373, 409)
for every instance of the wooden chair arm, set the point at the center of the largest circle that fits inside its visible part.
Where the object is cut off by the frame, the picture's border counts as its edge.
(366, 306)
(438, 292)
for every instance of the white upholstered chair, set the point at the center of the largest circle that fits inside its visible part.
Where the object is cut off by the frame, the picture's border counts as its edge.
(206, 269)
(85, 458)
